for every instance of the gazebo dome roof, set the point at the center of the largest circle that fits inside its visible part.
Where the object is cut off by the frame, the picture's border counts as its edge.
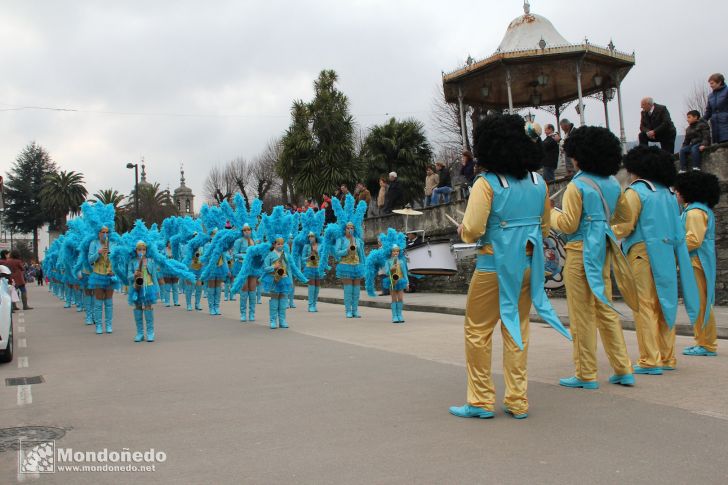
(527, 31)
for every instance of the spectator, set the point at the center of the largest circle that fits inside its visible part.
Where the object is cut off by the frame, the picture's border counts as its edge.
(444, 184)
(39, 275)
(656, 125)
(550, 153)
(394, 195)
(467, 170)
(16, 267)
(362, 193)
(328, 209)
(381, 195)
(431, 180)
(697, 137)
(717, 110)
(566, 128)
(343, 192)
(414, 238)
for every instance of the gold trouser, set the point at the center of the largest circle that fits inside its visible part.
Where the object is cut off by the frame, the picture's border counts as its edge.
(482, 313)
(705, 336)
(587, 314)
(655, 340)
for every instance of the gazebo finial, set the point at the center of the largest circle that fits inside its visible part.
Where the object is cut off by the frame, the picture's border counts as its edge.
(526, 7)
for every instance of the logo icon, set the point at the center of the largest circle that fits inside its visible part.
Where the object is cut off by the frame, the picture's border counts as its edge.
(37, 456)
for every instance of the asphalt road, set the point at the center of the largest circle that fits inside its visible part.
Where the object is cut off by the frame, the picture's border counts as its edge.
(332, 400)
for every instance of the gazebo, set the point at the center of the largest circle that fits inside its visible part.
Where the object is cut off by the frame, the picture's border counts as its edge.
(534, 66)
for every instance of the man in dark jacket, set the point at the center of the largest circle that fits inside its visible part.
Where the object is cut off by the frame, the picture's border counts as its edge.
(393, 199)
(17, 267)
(656, 125)
(550, 153)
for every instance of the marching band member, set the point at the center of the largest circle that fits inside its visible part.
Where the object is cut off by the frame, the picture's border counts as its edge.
(654, 238)
(592, 199)
(392, 260)
(507, 214)
(345, 236)
(308, 249)
(248, 292)
(143, 292)
(699, 192)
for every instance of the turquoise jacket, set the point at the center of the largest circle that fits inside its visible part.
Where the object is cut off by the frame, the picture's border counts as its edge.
(660, 228)
(514, 221)
(239, 248)
(706, 255)
(594, 226)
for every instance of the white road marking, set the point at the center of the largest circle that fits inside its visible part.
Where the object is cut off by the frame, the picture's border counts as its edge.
(22, 343)
(21, 329)
(22, 362)
(25, 396)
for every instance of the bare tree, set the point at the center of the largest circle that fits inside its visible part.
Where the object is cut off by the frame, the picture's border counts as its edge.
(698, 98)
(445, 118)
(263, 173)
(219, 185)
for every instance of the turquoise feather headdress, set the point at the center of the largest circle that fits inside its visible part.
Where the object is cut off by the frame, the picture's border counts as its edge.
(279, 224)
(350, 212)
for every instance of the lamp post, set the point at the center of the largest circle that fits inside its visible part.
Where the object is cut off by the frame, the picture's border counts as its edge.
(135, 166)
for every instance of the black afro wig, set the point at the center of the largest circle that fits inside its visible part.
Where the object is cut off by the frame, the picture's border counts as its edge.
(596, 150)
(651, 163)
(700, 187)
(502, 146)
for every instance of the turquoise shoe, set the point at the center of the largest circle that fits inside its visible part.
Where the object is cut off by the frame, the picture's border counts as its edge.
(699, 351)
(653, 371)
(687, 350)
(516, 416)
(623, 379)
(667, 367)
(468, 411)
(574, 382)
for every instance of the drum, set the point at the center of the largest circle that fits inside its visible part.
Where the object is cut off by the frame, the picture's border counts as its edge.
(431, 258)
(554, 257)
(464, 250)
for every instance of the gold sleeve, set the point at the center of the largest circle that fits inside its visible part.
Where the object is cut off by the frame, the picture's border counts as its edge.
(696, 224)
(546, 217)
(567, 220)
(623, 228)
(477, 211)
(623, 211)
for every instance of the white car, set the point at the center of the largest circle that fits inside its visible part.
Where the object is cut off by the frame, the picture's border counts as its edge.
(6, 319)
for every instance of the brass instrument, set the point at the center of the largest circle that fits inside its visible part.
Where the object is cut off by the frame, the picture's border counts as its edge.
(138, 276)
(109, 272)
(312, 258)
(352, 248)
(395, 272)
(280, 271)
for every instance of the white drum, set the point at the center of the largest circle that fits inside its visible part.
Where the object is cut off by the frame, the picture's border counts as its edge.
(554, 257)
(431, 258)
(464, 250)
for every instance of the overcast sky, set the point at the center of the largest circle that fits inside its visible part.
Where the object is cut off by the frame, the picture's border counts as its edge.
(205, 82)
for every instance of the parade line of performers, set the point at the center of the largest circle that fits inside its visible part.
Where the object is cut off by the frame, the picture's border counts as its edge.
(663, 220)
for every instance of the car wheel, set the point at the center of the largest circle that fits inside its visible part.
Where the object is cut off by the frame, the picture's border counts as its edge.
(7, 354)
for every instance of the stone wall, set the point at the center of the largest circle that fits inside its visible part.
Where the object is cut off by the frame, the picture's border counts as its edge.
(715, 161)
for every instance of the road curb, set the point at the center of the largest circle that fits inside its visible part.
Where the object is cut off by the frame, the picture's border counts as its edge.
(627, 324)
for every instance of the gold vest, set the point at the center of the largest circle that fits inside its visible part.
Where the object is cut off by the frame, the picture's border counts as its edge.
(351, 257)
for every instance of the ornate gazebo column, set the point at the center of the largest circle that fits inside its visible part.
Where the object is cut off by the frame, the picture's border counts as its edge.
(463, 127)
(622, 136)
(510, 93)
(578, 90)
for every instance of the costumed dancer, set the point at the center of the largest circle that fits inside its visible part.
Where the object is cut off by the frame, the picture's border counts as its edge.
(82, 270)
(100, 218)
(507, 215)
(345, 236)
(228, 285)
(248, 221)
(169, 284)
(307, 248)
(654, 240)
(699, 192)
(193, 255)
(279, 267)
(187, 229)
(214, 256)
(391, 259)
(592, 201)
(296, 257)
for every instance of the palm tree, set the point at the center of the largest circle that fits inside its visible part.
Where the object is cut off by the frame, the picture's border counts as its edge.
(155, 204)
(398, 146)
(122, 218)
(62, 193)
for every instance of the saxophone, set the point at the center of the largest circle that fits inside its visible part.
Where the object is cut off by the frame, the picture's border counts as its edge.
(280, 272)
(138, 276)
(109, 272)
(395, 272)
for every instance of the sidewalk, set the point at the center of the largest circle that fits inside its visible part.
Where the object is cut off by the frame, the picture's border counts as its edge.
(455, 305)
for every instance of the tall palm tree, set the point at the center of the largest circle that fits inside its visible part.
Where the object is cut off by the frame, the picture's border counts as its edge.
(402, 147)
(62, 193)
(155, 204)
(122, 217)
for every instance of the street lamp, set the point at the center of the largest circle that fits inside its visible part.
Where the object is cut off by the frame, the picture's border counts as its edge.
(135, 166)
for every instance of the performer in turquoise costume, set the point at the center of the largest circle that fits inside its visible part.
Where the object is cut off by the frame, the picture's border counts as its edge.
(345, 237)
(215, 269)
(247, 219)
(507, 215)
(192, 259)
(392, 259)
(279, 267)
(143, 292)
(699, 192)
(307, 249)
(654, 239)
(98, 244)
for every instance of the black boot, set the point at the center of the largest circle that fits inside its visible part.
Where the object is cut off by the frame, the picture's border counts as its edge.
(24, 298)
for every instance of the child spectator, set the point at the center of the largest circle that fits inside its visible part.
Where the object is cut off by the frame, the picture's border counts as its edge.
(697, 137)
